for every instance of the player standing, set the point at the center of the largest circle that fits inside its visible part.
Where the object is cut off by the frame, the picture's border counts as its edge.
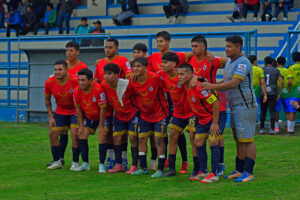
(87, 98)
(61, 86)
(72, 52)
(153, 113)
(205, 106)
(120, 94)
(243, 111)
(294, 87)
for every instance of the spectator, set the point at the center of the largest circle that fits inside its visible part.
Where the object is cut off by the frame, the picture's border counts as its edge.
(268, 8)
(237, 11)
(49, 20)
(2, 13)
(250, 5)
(30, 21)
(176, 7)
(40, 7)
(83, 28)
(281, 5)
(129, 8)
(66, 8)
(97, 29)
(13, 22)
(22, 9)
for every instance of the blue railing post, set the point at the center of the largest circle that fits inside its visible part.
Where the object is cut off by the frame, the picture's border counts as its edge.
(288, 48)
(8, 71)
(150, 44)
(246, 43)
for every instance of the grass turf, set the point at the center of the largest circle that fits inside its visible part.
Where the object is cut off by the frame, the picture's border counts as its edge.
(25, 149)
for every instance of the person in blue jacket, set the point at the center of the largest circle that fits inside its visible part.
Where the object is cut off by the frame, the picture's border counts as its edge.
(13, 22)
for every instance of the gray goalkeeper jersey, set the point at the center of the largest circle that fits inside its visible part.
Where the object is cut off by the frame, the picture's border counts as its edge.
(271, 76)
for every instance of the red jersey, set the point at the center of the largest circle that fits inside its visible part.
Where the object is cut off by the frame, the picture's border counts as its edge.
(201, 103)
(63, 94)
(209, 70)
(74, 70)
(155, 60)
(150, 96)
(128, 110)
(182, 108)
(90, 101)
(121, 61)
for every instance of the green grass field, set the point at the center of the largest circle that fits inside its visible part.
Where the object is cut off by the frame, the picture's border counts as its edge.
(25, 149)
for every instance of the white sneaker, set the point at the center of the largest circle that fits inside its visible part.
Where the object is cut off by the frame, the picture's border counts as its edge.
(274, 19)
(84, 167)
(102, 168)
(152, 165)
(55, 165)
(177, 21)
(285, 19)
(74, 166)
(255, 19)
(210, 178)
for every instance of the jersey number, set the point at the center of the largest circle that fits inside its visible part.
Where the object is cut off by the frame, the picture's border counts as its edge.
(268, 79)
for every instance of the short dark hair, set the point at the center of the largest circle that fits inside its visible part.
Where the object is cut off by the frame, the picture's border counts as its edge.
(235, 39)
(83, 19)
(116, 42)
(164, 34)
(73, 44)
(143, 61)
(61, 62)
(187, 66)
(296, 56)
(252, 58)
(50, 5)
(268, 60)
(87, 72)
(140, 46)
(200, 39)
(171, 56)
(112, 67)
(281, 60)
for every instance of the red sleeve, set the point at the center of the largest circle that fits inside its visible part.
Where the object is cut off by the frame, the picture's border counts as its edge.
(183, 57)
(47, 88)
(96, 75)
(102, 97)
(76, 97)
(126, 67)
(218, 62)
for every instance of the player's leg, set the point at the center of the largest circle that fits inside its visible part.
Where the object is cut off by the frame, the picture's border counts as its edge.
(263, 113)
(74, 137)
(278, 108)
(175, 131)
(111, 160)
(124, 151)
(153, 163)
(145, 130)
(133, 138)
(292, 117)
(103, 142)
(55, 149)
(160, 132)
(183, 151)
(246, 130)
(287, 107)
(272, 110)
(120, 129)
(222, 125)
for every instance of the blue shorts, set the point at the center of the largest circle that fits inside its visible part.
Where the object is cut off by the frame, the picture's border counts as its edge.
(180, 124)
(202, 131)
(192, 123)
(108, 123)
(91, 125)
(122, 128)
(287, 107)
(294, 99)
(64, 122)
(243, 119)
(159, 129)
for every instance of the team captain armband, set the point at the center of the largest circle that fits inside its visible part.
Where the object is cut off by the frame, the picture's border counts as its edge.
(211, 99)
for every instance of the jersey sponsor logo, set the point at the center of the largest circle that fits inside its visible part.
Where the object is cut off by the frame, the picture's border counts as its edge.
(179, 85)
(204, 93)
(242, 68)
(102, 96)
(193, 99)
(150, 88)
(128, 65)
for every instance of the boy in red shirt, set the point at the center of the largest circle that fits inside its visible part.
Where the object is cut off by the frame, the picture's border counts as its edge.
(205, 106)
(91, 113)
(61, 86)
(72, 52)
(153, 113)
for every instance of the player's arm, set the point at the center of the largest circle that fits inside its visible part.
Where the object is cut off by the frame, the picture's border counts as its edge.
(48, 104)
(79, 118)
(280, 87)
(264, 89)
(213, 100)
(102, 120)
(235, 82)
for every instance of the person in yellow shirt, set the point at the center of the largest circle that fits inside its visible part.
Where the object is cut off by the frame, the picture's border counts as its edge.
(258, 81)
(284, 98)
(294, 87)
